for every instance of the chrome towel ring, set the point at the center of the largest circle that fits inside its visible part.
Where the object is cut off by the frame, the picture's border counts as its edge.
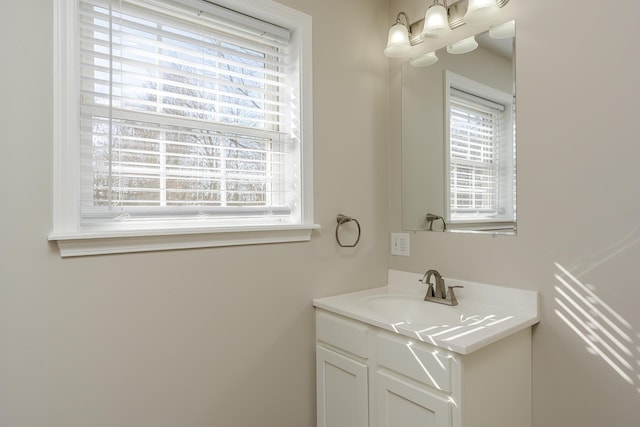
(343, 219)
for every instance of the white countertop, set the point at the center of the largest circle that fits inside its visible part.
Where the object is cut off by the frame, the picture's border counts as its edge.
(484, 314)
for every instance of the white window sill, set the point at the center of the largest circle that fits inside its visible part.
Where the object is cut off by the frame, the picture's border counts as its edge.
(83, 243)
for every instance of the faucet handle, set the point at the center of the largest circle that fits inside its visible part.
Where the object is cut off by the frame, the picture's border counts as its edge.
(430, 291)
(451, 296)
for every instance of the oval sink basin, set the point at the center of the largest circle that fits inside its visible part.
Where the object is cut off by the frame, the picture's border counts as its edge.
(398, 308)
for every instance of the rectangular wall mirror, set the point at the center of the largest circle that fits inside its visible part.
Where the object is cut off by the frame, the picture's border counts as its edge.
(459, 138)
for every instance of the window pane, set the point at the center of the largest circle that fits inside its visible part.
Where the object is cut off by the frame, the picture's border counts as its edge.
(474, 149)
(179, 112)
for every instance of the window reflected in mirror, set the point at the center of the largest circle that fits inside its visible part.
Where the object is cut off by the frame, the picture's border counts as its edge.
(480, 154)
(459, 139)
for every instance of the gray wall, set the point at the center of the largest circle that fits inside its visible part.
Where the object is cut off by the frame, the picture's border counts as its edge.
(209, 337)
(578, 239)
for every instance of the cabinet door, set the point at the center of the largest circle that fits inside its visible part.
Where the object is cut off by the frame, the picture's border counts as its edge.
(403, 404)
(342, 388)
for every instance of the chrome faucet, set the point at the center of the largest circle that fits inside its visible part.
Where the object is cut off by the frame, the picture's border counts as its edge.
(439, 293)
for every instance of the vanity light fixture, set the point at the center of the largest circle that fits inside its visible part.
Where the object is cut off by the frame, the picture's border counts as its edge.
(481, 11)
(398, 43)
(436, 20)
(440, 19)
(503, 31)
(424, 60)
(463, 46)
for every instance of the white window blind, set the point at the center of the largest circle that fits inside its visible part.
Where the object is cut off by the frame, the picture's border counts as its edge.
(476, 138)
(185, 112)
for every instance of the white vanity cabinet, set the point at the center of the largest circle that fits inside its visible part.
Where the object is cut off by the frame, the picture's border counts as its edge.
(413, 383)
(342, 371)
(343, 390)
(371, 377)
(401, 403)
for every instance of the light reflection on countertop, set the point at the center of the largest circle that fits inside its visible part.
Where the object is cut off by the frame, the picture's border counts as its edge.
(484, 314)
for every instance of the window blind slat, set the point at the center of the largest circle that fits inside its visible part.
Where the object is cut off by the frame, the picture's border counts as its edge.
(195, 13)
(159, 62)
(182, 111)
(152, 26)
(235, 22)
(474, 102)
(172, 47)
(190, 126)
(473, 153)
(142, 74)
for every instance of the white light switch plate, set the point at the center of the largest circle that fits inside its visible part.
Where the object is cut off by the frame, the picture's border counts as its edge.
(400, 244)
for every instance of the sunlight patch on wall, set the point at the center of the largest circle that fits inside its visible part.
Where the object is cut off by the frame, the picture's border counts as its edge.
(604, 332)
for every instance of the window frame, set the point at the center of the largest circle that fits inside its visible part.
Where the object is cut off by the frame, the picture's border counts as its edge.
(506, 167)
(74, 239)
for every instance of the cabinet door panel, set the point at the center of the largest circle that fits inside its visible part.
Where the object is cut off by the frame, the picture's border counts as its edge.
(403, 404)
(342, 388)
(414, 361)
(342, 333)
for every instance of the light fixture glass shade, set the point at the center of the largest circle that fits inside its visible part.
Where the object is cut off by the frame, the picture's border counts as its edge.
(503, 31)
(463, 46)
(398, 43)
(436, 21)
(481, 11)
(424, 60)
